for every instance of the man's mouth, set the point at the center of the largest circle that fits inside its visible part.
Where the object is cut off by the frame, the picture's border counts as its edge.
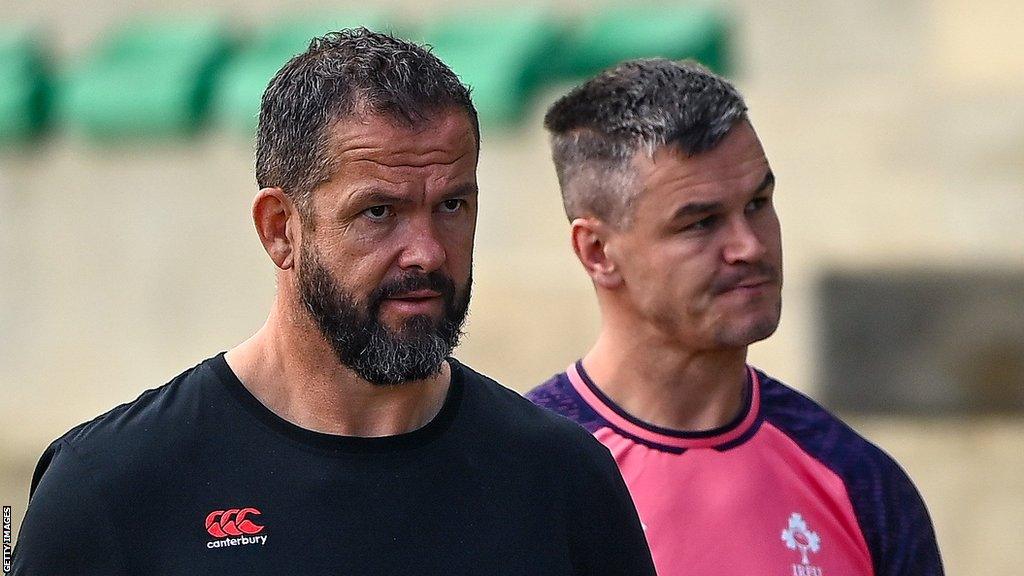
(748, 286)
(753, 283)
(416, 295)
(415, 303)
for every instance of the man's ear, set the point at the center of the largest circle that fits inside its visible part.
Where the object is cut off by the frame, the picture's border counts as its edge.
(278, 224)
(590, 238)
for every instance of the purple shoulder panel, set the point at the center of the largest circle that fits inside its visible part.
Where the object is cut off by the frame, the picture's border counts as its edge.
(558, 396)
(889, 509)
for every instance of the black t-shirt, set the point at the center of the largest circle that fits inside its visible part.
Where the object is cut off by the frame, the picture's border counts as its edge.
(198, 477)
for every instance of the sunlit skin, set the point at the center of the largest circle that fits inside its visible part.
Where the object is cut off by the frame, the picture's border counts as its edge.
(400, 200)
(687, 284)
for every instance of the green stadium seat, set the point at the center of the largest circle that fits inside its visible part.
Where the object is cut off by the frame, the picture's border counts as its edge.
(502, 55)
(244, 79)
(23, 85)
(149, 79)
(622, 33)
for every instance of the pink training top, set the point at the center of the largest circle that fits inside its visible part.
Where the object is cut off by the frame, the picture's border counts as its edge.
(786, 489)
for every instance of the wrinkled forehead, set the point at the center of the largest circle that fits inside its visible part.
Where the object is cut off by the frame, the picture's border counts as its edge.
(384, 159)
(441, 138)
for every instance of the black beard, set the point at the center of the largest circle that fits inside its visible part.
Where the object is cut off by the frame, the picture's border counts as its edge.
(376, 353)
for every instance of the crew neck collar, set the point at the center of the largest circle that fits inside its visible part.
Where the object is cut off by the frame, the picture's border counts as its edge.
(339, 443)
(731, 434)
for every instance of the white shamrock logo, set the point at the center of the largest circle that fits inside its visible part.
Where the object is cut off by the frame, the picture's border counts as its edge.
(798, 536)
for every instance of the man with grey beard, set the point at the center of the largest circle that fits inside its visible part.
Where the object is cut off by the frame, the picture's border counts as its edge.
(341, 438)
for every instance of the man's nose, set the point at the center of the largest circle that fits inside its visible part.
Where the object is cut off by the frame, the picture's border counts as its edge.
(422, 247)
(742, 243)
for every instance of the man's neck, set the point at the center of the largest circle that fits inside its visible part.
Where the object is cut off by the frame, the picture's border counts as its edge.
(295, 373)
(656, 381)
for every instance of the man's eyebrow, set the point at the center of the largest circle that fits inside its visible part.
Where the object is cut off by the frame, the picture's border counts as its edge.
(694, 208)
(375, 195)
(467, 189)
(768, 182)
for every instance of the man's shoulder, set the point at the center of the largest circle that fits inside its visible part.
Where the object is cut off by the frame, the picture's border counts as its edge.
(522, 417)
(555, 394)
(818, 431)
(889, 509)
(150, 426)
(877, 485)
(558, 395)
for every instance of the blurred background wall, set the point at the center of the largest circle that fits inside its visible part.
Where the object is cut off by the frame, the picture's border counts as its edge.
(896, 132)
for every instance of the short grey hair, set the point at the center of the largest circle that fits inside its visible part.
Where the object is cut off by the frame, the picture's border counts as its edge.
(639, 105)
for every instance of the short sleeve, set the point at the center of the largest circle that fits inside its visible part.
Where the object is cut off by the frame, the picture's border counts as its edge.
(901, 537)
(66, 529)
(606, 537)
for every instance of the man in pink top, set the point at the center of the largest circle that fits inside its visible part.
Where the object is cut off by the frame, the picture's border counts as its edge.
(670, 198)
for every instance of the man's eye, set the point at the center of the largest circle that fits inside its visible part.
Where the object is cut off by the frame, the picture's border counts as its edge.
(452, 205)
(377, 212)
(702, 224)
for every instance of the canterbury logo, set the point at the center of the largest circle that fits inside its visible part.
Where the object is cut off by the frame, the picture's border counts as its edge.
(234, 522)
